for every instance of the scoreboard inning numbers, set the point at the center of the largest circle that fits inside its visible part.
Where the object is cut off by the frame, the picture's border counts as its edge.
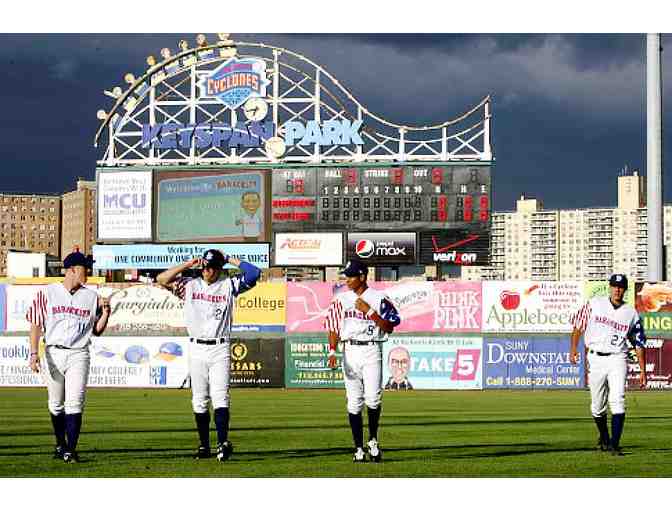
(385, 198)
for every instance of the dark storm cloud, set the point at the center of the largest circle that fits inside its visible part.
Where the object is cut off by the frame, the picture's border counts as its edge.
(568, 110)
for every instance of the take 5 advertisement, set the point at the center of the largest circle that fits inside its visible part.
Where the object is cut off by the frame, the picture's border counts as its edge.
(529, 362)
(530, 306)
(432, 363)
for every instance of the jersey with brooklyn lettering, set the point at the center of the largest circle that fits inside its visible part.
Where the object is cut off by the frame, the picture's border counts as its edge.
(351, 324)
(606, 328)
(67, 319)
(208, 309)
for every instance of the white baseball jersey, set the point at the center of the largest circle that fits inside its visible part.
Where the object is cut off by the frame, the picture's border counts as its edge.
(67, 319)
(606, 328)
(208, 309)
(351, 324)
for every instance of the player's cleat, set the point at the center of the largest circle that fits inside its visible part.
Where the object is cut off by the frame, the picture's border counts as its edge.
(359, 455)
(70, 457)
(616, 451)
(202, 453)
(224, 451)
(58, 452)
(374, 452)
(603, 445)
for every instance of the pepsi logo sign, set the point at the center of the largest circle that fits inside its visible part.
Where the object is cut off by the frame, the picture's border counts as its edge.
(365, 248)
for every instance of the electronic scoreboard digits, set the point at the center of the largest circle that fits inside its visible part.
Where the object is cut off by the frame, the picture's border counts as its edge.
(381, 198)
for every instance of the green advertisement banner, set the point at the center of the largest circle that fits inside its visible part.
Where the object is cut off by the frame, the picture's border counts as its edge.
(306, 364)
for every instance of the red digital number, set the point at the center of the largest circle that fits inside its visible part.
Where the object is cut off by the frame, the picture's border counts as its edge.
(396, 175)
(350, 176)
(437, 176)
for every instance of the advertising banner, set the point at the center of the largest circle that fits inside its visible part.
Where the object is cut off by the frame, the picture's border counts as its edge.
(307, 305)
(162, 256)
(382, 248)
(432, 363)
(213, 206)
(127, 362)
(456, 246)
(125, 205)
(257, 363)
(308, 249)
(141, 309)
(658, 366)
(18, 300)
(531, 362)
(529, 306)
(653, 301)
(306, 364)
(261, 309)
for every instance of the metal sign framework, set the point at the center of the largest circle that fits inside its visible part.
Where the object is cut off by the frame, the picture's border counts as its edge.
(300, 90)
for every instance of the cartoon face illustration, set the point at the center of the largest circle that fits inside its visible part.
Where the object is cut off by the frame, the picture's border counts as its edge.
(251, 201)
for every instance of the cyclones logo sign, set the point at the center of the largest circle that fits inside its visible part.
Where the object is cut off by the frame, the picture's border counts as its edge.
(235, 81)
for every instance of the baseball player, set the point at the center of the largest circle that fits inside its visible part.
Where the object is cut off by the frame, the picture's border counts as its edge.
(606, 323)
(68, 313)
(208, 308)
(361, 318)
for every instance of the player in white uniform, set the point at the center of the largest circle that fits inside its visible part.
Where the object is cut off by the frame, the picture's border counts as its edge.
(208, 309)
(361, 318)
(608, 324)
(68, 313)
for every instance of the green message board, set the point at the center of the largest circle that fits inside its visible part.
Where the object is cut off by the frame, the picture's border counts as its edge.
(306, 364)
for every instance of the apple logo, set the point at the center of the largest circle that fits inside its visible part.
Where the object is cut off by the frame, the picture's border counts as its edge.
(509, 299)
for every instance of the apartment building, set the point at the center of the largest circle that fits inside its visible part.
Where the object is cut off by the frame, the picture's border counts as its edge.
(79, 218)
(29, 222)
(531, 243)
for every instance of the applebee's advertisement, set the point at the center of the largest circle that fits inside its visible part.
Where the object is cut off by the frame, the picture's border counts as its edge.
(529, 362)
(432, 363)
(528, 306)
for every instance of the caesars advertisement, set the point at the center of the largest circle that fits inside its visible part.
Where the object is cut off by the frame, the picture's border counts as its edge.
(257, 363)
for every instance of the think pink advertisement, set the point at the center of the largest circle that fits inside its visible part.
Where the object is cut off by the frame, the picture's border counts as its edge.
(423, 306)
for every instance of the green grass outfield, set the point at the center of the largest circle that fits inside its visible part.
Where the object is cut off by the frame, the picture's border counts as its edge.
(304, 433)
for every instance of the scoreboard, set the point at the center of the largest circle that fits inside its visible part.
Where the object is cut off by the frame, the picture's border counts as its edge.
(381, 198)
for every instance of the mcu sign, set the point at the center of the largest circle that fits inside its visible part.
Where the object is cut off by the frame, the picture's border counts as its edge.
(382, 249)
(465, 247)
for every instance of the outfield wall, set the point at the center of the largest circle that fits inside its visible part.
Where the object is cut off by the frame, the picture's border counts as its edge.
(454, 335)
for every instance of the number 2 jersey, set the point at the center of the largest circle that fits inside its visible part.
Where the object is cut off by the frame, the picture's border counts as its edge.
(208, 309)
(606, 328)
(351, 324)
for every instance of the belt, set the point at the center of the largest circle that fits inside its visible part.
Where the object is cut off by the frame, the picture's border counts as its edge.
(208, 341)
(357, 342)
(601, 353)
(59, 346)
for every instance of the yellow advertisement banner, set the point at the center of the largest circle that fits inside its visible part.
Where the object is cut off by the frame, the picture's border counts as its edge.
(263, 308)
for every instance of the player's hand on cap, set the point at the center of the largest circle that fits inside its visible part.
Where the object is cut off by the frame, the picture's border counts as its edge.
(362, 305)
(34, 363)
(195, 262)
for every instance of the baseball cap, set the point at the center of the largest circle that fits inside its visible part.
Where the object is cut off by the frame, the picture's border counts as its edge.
(618, 280)
(77, 258)
(213, 259)
(355, 268)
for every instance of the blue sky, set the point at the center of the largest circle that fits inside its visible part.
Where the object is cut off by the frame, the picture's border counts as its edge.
(569, 111)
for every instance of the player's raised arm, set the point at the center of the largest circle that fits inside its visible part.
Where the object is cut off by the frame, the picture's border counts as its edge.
(167, 278)
(387, 318)
(248, 278)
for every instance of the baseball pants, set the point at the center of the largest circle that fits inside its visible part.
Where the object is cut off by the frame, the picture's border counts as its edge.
(65, 373)
(363, 376)
(210, 371)
(606, 379)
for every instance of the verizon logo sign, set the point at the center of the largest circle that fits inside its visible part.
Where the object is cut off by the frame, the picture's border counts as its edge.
(455, 246)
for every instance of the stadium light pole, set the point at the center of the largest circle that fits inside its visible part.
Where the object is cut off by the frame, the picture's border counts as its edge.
(654, 184)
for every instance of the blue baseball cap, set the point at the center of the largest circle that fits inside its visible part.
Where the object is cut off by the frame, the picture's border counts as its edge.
(214, 258)
(355, 268)
(77, 258)
(618, 280)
